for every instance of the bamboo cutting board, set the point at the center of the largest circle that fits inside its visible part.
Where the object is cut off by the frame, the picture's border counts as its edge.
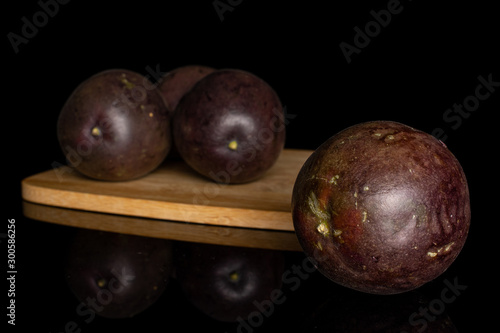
(178, 231)
(175, 192)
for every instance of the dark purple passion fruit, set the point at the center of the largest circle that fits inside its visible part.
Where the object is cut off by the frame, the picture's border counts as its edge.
(177, 82)
(230, 126)
(115, 126)
(381, 207)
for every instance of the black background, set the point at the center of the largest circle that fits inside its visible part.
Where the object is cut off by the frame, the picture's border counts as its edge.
(426, 59)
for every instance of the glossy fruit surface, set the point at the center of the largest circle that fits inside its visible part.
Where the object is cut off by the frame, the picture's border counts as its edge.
(381, 207)
(230, 126)
(115, 126)
(177, 82)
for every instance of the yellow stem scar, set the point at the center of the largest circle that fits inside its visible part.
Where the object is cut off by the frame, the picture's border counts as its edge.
(96, 131)
(233, 145)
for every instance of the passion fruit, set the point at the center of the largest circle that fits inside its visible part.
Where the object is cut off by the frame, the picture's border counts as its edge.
(381, 207)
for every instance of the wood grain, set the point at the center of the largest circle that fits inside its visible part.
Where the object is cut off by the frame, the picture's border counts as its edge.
(175, 192)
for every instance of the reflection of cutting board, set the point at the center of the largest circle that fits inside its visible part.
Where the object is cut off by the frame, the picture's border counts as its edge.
(179, 231)
(175, 192)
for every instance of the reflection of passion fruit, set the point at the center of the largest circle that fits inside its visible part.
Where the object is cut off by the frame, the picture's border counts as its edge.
(117, 275)
(381, 207)
(227, 282)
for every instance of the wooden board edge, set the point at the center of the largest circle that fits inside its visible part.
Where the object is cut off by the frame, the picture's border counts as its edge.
(224, 216)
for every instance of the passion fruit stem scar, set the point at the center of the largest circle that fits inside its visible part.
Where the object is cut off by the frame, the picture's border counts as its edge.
(96, 131)
(101, 283)
(234, 276)
(233, 145)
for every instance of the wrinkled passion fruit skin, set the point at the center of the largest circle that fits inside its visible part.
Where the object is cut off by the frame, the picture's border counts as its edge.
(115, 126)
(230, 126)
(381, 207)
